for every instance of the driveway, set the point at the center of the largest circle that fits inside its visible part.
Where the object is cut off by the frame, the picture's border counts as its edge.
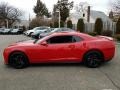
(60, 76)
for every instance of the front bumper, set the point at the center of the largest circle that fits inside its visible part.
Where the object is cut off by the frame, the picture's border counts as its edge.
(6, 56)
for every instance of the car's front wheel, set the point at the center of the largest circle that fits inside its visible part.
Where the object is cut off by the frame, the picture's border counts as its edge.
(30, 34)
(18, 60)
(93, 59)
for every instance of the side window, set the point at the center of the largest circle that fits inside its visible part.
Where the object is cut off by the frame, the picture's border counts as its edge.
(37, 28)
(60, 39)
(65, 29)
(59, 30)
(76, 39)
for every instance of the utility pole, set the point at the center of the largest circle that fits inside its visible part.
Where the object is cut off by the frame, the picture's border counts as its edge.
(6, 19)
(59, 18)
(6, 22)
(59, 13)
(60, 6)
(29, 21)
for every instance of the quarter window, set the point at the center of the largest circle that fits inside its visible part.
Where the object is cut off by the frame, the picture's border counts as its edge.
(77, 39)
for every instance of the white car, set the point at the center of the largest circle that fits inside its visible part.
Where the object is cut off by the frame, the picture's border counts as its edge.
(1, 30)
(29, 32)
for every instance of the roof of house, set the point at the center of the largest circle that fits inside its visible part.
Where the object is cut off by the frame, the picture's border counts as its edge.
(22, 23)
(93, 15)
(98, 14)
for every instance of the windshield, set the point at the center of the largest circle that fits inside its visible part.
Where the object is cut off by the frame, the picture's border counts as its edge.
(6, 30)
(40, 28)
(15, 30)
(56, 30)
(39, 40)
(48, 30)
(38, 31)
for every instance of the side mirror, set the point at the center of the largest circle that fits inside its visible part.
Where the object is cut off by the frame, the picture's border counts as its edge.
(44, 43)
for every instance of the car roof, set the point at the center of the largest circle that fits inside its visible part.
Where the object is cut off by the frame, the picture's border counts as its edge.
(65, 33)
(82, 35)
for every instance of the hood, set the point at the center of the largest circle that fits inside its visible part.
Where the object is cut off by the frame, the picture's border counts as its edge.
(30, 30)
(5, 31)
(23, 43)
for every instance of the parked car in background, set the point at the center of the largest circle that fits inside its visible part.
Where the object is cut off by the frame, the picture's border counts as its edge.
(6, 31)
(36, 34)
(56, 30)
(16, 31)
(29, 32)
(59, 48)
(1, 30)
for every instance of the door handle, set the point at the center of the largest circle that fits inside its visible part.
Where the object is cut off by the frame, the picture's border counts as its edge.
(71, 46)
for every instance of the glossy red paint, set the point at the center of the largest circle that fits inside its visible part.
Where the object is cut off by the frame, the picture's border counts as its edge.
(41, 52)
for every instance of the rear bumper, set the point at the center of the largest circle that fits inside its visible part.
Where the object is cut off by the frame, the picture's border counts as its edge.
(109, 59)
(109, 54)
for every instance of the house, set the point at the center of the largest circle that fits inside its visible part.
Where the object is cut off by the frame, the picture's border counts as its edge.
(90, 17)
(21, 23)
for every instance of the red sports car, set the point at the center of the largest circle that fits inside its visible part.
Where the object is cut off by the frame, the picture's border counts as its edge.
(59, 48)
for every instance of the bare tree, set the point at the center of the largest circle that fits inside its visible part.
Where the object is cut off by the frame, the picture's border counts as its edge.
(38, 21)
(9, 14)
(116, 6)
(64, 6)
(81, 8)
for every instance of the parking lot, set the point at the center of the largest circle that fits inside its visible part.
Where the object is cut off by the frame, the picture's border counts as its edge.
(59, 76)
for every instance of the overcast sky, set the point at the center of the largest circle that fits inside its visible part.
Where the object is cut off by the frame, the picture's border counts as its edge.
(27, 5)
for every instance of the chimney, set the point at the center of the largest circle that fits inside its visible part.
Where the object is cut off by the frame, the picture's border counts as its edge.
(88, 14)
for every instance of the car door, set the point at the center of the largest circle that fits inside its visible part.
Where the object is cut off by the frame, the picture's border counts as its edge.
(61, 47)
(78, 50)
(58, 49)
(67, 48)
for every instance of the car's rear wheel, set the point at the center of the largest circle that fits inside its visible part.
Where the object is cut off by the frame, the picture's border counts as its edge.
(18, 60)
(93, 59)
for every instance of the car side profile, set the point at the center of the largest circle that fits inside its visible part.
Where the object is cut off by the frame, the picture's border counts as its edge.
(71, 47)
(1, 30)
(16, 31)
(29, 32)
(56, 30)
(6, 31)
(36, 34)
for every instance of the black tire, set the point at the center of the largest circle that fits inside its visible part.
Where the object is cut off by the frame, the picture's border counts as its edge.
(93, 59)
(18, 60)
(30, 34)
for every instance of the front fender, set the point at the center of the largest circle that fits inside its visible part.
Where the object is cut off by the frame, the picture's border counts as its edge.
(8, 51)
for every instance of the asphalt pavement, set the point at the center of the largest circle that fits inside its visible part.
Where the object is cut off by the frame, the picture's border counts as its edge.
(58, 76)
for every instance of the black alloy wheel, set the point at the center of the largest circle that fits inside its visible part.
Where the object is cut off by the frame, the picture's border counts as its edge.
(93, 59)
(18, 60)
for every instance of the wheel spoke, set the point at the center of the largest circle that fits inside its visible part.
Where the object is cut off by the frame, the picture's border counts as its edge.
(17, 60)
(93, 60)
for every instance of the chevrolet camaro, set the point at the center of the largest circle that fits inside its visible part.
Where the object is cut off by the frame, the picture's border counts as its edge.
(62, 47)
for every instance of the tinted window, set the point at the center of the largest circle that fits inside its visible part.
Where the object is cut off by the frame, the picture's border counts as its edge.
(63, 39)
(57, 30)
(66, 29)
(60, 39)
(76, 39)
